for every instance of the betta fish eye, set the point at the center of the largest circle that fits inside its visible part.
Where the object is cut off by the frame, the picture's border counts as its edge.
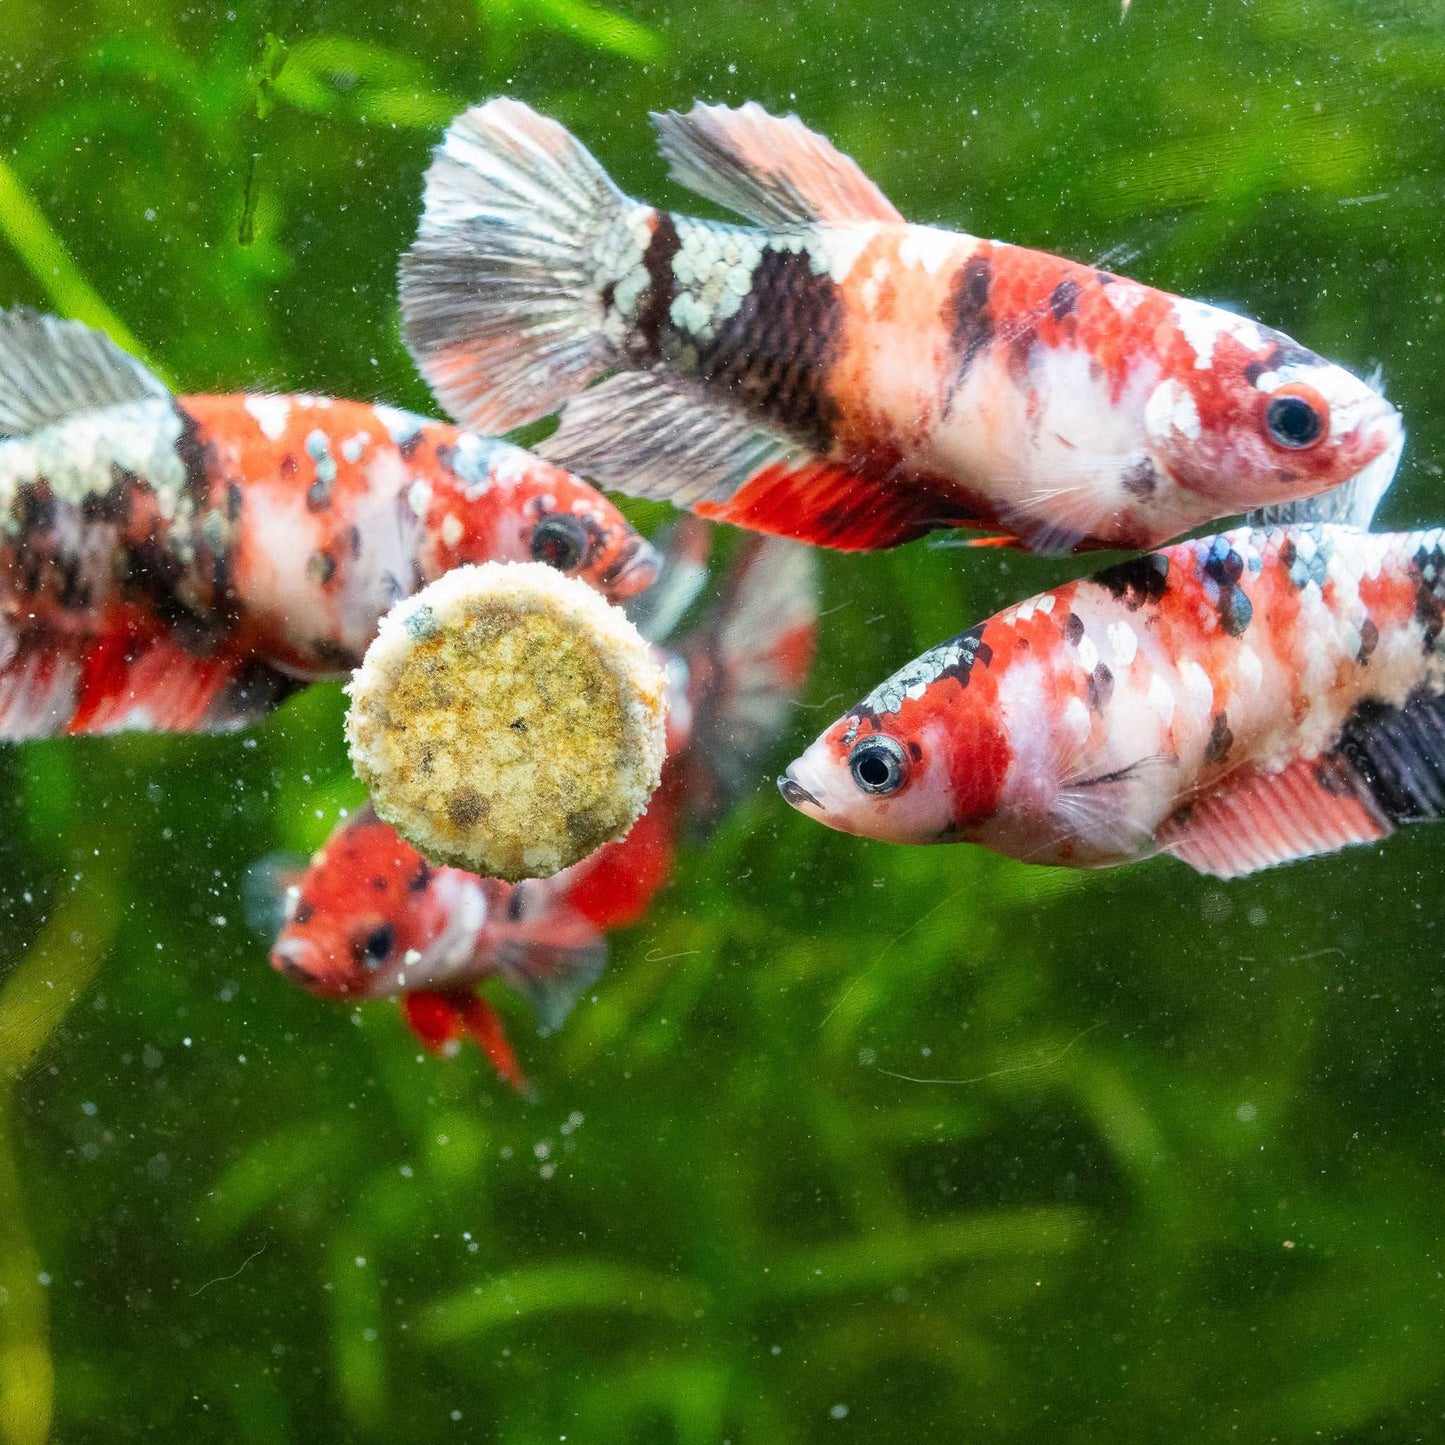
(878, 765)
(1296, 417)
(371, 945)
(561, 541)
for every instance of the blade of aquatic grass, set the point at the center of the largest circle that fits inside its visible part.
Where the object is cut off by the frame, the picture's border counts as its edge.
(594, 26)
(692, 1394)
(357, 1356)
(27, 1374)
(336, 74)
(549, 1289)
(874, 1262)
(37, 995)
(601, 29)
(35, 241)
(278, 1166)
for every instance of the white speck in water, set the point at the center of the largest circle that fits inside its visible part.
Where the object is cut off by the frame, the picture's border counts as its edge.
(838, 1412)
(1246, 1113)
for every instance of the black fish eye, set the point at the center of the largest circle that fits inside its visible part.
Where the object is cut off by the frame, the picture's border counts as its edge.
(374, 946)
(560, 541)
(878, 765)
(1292, 421)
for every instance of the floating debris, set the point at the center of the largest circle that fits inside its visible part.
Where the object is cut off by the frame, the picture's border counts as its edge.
(508, 721)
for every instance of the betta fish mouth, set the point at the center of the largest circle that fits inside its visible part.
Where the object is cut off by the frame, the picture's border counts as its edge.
(635, 569)
(307, 966)
(796, 794)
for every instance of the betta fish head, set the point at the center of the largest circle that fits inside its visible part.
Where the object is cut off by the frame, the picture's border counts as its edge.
(361, 916)
(923, 759)
(1250, 419)
(513, 507)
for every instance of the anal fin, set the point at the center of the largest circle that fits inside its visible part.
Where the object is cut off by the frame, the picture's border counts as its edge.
(648, 434)
(118, 681)
(1253, 820)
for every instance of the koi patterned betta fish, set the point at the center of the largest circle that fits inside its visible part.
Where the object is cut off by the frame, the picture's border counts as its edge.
(1238, 701)
(183, 563)
(371, 918)
(834, 374)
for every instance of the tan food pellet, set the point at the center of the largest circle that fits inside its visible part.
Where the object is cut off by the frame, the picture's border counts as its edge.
(507, 720)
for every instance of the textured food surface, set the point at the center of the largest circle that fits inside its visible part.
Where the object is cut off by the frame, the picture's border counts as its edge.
(507, 720)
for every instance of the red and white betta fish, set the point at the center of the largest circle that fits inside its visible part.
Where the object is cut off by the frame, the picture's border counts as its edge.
(370, 918)
(1237, 701)
(834, 374)
(184, 562)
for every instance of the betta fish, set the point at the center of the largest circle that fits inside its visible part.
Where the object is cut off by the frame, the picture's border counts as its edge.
(1238, 701)
(370, 918)
(835, 374)
(183, 563)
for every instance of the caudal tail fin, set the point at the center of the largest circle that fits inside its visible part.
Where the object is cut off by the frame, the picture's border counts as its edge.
(502, 290)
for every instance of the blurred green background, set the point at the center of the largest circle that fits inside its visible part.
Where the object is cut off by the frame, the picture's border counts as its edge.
(850, 1143)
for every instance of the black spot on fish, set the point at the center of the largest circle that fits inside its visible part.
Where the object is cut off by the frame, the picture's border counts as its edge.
(199, 457)
(1140, 478)
(656, 301)
(1398, 755)
(1073, 629)
(1221, 739)
(379, 885)
(304, 912)
(1427, 570)
(321, 567)
(353, 540)
(421, 878)
(288, 466)
(1225, 567)
(332, 655)
(1100, 688)
(516, 905)
(112, 506)
(411, 444)
(1137, 581)
(1064, 300)
(966, 314)
(318, 496)
(33, 508)
(234, 501)
(1369, 640)
(256, 689)
(775, 351)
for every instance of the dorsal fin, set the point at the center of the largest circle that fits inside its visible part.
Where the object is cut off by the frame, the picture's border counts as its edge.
(51, 369)
(1351, 505)
(771, 169)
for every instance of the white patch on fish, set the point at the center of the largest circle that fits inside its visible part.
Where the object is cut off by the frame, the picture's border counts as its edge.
(272, 414)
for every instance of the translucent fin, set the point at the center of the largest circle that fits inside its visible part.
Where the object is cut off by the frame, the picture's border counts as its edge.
(1254, 820)
(684, 546)
(1352, 505)
(552, 972)
(264, 886)
(51, 685)
(51, 369)
(652, 435)
(756, 651)
(500, 292)
(771, 169)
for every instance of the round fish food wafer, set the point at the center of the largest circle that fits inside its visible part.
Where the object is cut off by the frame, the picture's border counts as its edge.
(507, 720)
